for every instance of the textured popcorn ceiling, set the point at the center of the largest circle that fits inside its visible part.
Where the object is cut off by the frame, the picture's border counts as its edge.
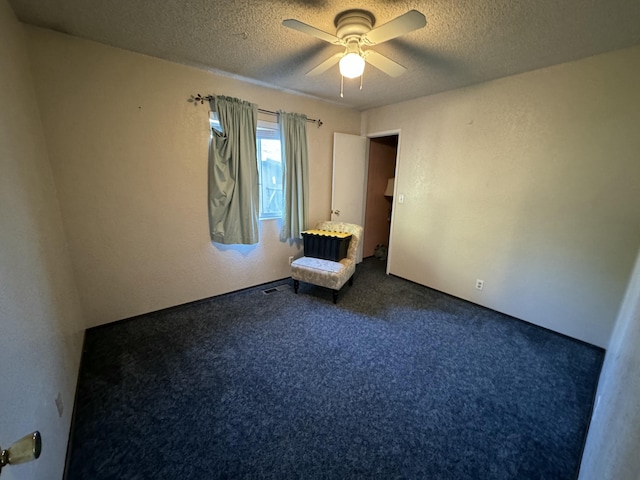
(464, 42)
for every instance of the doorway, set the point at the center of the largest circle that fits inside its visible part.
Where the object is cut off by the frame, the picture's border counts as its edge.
(383, 152)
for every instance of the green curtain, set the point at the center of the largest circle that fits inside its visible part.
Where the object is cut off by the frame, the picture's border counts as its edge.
(295, 174)
(233, 173)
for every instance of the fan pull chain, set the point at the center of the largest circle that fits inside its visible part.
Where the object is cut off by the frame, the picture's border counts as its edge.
(341, 86)
(361, 77)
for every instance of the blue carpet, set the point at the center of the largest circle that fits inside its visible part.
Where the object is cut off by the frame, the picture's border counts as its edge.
(395, 381)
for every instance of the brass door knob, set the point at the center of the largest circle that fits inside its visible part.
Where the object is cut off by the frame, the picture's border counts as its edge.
(24, 450)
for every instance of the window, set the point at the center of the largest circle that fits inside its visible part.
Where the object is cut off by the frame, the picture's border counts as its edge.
(270, 170)
(269, 154)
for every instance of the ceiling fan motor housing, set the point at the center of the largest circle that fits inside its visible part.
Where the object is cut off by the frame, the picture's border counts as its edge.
(353, 23)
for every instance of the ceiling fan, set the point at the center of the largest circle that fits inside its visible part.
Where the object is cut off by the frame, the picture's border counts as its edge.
(355, 32)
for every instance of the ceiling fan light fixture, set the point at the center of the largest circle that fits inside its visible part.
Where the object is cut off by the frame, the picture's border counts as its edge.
(351, 65)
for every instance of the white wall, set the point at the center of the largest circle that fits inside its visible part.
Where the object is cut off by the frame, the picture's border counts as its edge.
(40, 318)
(613, 441)
(129, 157)
(529, 183)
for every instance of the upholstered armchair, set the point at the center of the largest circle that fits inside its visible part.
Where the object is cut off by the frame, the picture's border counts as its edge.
(327, 273)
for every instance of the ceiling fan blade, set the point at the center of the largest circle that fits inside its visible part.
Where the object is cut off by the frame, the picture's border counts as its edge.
(313, 31)
(326, 65)
(412, 20)
(386, 65)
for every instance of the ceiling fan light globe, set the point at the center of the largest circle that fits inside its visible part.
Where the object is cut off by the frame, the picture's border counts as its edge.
(351, 65)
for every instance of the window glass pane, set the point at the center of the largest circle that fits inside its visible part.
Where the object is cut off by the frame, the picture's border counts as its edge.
(270, 162)
(214, 123)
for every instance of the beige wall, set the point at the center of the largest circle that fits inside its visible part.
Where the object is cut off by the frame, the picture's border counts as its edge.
(129, 157)
(612, 445)
(40, 319)
(529, 183)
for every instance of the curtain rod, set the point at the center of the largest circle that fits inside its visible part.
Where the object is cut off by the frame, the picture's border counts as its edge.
(201, 99)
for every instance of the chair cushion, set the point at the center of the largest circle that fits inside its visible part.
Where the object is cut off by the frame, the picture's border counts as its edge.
(318, 264)
(325, 273)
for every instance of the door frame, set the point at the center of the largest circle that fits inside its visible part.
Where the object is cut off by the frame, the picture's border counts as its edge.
(386, 133)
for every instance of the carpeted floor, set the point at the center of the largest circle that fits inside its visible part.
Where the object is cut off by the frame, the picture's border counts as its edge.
(395, 381)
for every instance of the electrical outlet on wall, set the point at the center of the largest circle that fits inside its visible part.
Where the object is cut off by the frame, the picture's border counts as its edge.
(479, 284)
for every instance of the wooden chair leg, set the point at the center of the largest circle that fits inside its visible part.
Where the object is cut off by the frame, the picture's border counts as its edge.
(296, 284)
(335, 296)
